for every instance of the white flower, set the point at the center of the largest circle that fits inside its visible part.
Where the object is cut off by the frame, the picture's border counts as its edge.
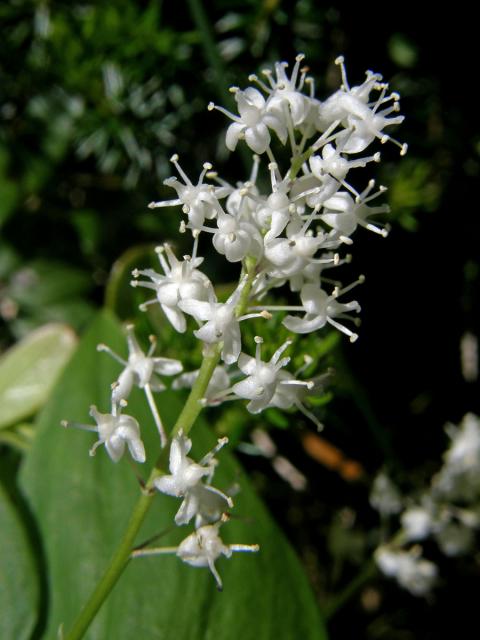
(276, 211)
(314, 190)
(199, 201)
(221, 323)
(219, 382)
(287, 257)
(254, 121)
(417, 523)
(344, 214)
(284, 92)
(204, 546)
(185, 473)
(321, 308)
(115, 431)
(262, 377)
(182, 281)
(459, 477)
(464, 451)
(140, 369)
(203, 502)
(235, 238)
(199, 500)
(352, 108)
(332, 162)
(411, 571)
(384, 496)
(291, 392)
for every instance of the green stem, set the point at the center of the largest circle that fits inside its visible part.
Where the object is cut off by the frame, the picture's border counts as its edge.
(117, 565)
(298, 161)
(184, 422)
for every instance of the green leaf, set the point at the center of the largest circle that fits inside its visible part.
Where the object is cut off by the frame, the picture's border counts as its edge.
(82, 505)
(29, 370)
(18, 581)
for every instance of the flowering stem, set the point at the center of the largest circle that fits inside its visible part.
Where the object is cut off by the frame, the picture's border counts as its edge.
(185, 421)
(116, 567)
(297, 162)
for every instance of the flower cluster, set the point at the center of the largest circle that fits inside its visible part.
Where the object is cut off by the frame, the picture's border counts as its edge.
(283, 236)
(291, 233)
(448, 511)
(206, 504)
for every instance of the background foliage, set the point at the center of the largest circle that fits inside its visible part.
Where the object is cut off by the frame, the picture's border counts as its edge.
(95, 97)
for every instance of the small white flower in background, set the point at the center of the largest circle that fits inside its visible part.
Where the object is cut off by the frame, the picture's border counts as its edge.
(182, 281)
(417, 523)
(275, 212)
(235, 238)
(459, 478)
(411, 571)
(115, 431)
(384, 496)
(332, 162)
(464, 451)
(447, 511)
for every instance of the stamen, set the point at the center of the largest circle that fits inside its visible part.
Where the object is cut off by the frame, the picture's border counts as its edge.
(253, 78)
(225, 112)
(103, 347)
(340, 61)
(67, 424)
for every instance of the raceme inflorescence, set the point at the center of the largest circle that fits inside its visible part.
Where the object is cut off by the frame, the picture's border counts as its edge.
(286, 238)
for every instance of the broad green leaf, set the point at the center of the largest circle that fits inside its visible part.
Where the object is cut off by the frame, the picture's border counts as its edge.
(18, 576)
(29, 370)
(82, 505)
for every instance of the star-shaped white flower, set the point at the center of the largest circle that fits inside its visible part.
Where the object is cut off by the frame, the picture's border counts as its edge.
(201, 501)
(182, 281)
(221, 322)
(253, 123)
(115, 431)
(320, 309)
(262, 377)
(198, 201)
(202, 548)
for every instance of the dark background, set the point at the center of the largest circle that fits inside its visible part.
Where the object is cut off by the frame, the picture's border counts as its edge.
(94, 98)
